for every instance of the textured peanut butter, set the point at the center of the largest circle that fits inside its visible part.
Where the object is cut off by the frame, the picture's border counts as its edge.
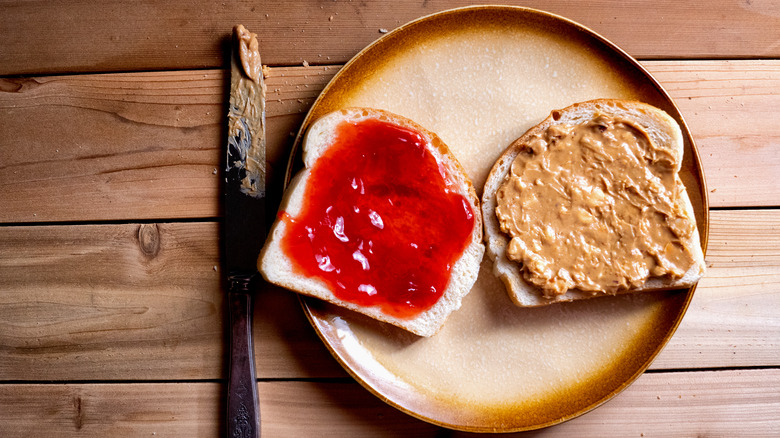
(249, 53)
(246, 115)
(594, 207)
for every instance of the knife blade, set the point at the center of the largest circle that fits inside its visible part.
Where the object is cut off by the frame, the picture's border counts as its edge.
(244, 225)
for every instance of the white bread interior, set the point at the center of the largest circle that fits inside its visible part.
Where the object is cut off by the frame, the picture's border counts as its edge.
(662, 130)
(277, 268)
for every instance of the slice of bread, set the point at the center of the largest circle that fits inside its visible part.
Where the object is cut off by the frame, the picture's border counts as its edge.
(660, 128)
(277, 267)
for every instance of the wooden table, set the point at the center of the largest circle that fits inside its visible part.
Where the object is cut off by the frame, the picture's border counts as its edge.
(112, 312)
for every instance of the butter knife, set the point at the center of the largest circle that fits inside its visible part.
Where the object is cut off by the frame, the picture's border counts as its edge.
(244, 227)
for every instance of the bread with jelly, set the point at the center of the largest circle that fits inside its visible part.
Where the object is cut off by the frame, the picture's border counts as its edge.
(350, 236)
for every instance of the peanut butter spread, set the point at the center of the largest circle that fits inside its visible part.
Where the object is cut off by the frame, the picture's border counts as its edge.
(246, 115)
(594, 207)
(249, 53)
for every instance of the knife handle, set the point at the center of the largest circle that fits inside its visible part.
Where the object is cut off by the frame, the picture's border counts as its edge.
(243, 410)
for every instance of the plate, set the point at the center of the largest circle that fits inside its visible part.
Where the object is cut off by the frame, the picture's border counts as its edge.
(479, 77)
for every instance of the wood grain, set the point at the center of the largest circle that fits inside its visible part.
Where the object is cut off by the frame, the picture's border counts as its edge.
(124, 35)
(147, 145)
(733, 319)
(135, 302)
(713, 404)
(117, 299)
(121, 302)
(130, 146)
(732, 109)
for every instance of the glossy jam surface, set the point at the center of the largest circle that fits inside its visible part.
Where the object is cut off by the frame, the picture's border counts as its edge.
(380, 225)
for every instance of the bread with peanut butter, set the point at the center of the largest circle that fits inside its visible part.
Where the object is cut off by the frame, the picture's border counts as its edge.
(589, 202)
(382, 220)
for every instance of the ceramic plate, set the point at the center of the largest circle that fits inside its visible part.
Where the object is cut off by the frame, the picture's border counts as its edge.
(480, 77)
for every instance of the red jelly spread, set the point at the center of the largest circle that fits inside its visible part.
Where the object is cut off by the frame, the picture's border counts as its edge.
(380, 225)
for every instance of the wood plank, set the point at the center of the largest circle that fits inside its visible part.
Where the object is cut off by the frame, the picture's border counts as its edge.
(124, 35)
(105, 296)
(146, 145)
(732, 109)
(733, 319)
(713, 403)
(131, 146)
(91, 302)
(129, 302)
(70, 410)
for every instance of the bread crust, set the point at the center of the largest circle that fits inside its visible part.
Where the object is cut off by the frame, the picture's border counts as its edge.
(277, 268)
(660, 127)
